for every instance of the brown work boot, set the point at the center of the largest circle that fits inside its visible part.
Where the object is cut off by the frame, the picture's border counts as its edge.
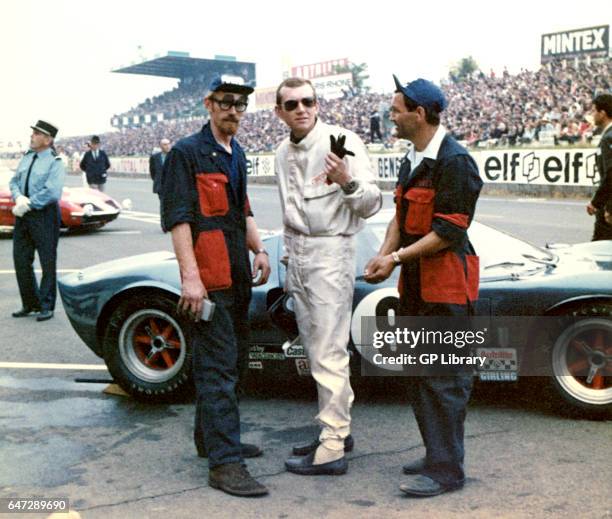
(234, 478)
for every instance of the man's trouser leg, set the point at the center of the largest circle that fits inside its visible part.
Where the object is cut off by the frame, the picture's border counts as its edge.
(23, 259)
(439, 405)
(215, 372)
(321, 279)
(44, 229)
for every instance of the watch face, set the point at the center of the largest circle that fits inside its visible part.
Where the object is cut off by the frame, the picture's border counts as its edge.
(350, 186)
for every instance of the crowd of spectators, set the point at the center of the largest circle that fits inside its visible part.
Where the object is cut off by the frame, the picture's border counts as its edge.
(484, 110)
(516, 109)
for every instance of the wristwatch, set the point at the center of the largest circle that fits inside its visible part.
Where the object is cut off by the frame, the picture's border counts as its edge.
(396, 258)
(261, 251)
(350, 187)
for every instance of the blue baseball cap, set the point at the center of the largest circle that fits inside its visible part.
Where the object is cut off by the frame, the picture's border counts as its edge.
(423, 92)
(231, 84)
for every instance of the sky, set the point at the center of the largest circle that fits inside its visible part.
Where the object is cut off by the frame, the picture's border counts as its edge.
(57, 56)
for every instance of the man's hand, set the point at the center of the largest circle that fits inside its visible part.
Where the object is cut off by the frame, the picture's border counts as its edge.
(591, 209)
(261, 263)
(22, 206)
(193, 293)
(378, 268)
(335, 171)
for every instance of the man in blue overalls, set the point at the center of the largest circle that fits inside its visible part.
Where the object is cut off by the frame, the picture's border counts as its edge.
(205, 206)
(36, 189)
(435, 200)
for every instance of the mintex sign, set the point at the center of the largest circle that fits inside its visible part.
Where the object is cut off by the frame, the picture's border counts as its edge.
(592, 41)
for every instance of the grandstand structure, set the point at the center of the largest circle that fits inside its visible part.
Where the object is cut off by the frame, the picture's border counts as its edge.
(193, 74)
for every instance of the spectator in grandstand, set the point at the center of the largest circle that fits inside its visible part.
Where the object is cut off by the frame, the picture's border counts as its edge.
(375, 127)
(602, 117)
(156, 165)
(529, 133)
(95, 164)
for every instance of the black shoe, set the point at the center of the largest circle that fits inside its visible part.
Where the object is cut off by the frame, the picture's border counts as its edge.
(414, 467)
(24, 312)
(44, 315)
(304, 466)
(303, 450)
(423, 486)
(248, 451)
(234, 479)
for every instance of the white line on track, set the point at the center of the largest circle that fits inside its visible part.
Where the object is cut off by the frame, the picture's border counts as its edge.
(140, 216)
(38, 271)
(43, 365)
(110, 232)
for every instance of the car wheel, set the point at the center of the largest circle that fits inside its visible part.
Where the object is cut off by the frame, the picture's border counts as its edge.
(581, 361)
(146, 351)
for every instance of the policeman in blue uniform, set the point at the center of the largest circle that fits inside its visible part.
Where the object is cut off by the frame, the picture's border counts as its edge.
(435, 200)
(205, 206)
(36, 189)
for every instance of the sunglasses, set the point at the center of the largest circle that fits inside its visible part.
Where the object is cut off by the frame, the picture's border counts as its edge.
(226, 104)
(292, 104)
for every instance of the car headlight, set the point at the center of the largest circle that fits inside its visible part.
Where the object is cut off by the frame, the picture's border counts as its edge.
(88, 209)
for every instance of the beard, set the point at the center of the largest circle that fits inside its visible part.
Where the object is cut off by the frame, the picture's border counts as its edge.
(228, 126)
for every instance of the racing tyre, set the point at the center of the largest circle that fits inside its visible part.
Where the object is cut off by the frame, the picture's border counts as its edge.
(581, 362)
(146, 351)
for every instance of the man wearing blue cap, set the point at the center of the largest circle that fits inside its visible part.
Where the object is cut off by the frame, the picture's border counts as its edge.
(205, 206)
(36, 189)
(435, 201)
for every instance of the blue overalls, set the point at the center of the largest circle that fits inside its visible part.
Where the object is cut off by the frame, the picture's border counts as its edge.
(205, 186)
(440, 195)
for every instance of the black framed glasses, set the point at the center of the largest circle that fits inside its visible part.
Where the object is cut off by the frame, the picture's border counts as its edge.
(226, 104)
(292, 104)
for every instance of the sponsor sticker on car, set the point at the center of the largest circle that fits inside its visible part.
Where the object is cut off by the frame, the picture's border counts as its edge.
(260, 353)
(500, 365)
(295, 351)
(303, 367)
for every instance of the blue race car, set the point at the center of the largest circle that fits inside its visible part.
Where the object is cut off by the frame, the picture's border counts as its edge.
(125, 311)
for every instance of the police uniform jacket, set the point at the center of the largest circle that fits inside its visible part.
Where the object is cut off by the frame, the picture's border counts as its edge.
(46, 179)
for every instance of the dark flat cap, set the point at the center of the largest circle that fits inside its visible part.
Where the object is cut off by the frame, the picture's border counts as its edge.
(229, 84)
(46, 128)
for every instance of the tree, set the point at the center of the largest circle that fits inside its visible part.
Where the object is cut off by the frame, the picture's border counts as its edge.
(360, 76)
(463, 69)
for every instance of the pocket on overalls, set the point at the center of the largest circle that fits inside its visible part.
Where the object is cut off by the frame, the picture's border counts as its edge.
(213, 260)
(420, 210)
(212, 194)
(443, 278)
